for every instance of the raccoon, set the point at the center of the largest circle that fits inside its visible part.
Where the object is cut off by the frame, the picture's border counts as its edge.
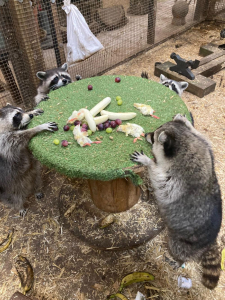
(52, 80)
(177, 87)
(187, 192)
(19, 171)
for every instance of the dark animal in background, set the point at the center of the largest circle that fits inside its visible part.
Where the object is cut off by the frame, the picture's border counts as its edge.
(52, 80)
(188, 194)
(19, 170)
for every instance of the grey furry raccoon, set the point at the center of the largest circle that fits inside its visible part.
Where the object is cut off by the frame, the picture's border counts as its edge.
(176, 86)
(52, 80)
(19, 176)
(188, 194)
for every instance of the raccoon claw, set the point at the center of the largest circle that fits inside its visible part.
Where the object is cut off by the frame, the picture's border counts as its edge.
(23, 212)
(52, 126)
(140, 157)
(39, 196)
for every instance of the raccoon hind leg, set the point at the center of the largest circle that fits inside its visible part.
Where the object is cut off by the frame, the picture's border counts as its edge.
(180, 250)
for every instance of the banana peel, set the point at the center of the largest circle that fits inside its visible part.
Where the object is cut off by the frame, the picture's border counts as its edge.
(118, 295)
(135, 277)
(25, 272)
(5, 244)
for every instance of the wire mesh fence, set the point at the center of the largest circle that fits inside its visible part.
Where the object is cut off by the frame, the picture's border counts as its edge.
(33, 36)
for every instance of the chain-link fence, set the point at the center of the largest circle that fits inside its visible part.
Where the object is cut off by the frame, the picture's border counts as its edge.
(33, 36)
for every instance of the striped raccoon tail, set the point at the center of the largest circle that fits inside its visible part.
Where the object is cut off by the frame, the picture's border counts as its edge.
(211, 263)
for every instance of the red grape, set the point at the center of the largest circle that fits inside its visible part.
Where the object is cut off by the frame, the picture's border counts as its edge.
(100, 127)
(113, 124)
(64, 143)
(77, 122)
(85, 126)
(90, 87)
(55, 128)
(117, 79)
(118, 121)
(106, 125)
(83, 129)
(66, 127)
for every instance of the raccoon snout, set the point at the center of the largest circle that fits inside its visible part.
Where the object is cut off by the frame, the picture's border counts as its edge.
(64, 81)
(31, 116)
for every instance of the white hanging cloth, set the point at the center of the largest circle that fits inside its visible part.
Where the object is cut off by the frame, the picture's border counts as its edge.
(81, 42)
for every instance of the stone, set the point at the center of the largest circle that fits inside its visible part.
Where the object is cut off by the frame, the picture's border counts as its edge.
(112, 17)
(180, 10)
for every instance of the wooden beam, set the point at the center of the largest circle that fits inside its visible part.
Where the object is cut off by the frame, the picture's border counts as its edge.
(200, 86)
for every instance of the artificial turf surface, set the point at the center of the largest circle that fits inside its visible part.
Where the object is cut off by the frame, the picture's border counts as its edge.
(105, 161)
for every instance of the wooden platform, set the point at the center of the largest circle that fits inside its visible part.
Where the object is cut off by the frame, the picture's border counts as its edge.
(213, 62)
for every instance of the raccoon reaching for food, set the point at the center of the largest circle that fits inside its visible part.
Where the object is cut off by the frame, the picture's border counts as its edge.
(19, 171)
(52, 80)
(177, 86)
(187, 192)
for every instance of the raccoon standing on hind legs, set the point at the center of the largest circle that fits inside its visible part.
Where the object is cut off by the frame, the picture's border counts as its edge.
(52, 80)
(187, 192)
(19, 170)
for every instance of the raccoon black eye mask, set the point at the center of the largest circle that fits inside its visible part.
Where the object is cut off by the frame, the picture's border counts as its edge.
(52, 80)
(176, 86)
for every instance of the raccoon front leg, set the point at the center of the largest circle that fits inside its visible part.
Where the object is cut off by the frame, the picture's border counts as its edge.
(36, 112)
(140, 157)
(40, 97)
(29, 133)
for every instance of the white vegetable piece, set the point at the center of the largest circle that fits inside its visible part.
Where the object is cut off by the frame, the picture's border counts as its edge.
(101, 119)
(122, 116)
(100, 106)
(90, 120)
(76, 115)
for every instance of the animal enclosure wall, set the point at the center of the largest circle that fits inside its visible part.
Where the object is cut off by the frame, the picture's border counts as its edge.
(33, 36)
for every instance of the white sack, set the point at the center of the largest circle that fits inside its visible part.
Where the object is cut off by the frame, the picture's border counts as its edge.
(81, 42)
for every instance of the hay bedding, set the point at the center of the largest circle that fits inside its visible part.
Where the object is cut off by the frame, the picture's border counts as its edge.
(67, 269)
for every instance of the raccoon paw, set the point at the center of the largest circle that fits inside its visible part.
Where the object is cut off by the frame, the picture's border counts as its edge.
(180, 117)
(50, 126)
(140, 158)
(39, 196)
(78, 77)
(175, 264)
(46, 97)
(37, 112)
(183, 119)
(23, 212)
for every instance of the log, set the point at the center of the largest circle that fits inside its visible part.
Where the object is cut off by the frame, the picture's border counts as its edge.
(115, 195)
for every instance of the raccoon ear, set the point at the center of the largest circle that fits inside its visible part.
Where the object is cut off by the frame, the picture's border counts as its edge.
(184, 85)
(162, 78)
(162, 138)
(167, 140)
(65, 67)
(41, 75)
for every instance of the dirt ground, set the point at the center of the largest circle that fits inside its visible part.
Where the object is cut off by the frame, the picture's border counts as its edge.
(65, 268)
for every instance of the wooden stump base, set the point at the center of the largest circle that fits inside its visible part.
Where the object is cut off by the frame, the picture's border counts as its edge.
(131, 228)
(115, 195)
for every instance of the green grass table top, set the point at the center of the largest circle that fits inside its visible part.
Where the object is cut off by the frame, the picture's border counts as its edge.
(105, 161)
